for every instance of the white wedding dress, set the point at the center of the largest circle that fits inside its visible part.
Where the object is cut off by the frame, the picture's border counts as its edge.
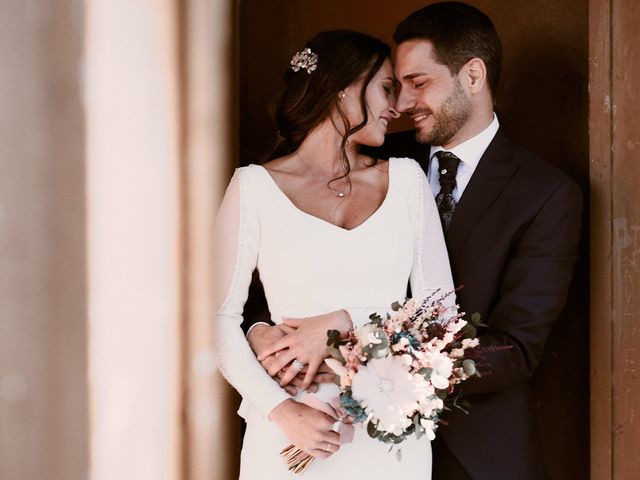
(310, 267)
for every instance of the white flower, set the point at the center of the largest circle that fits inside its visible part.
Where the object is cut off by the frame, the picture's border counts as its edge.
(388, 392)
(407, 359)
(457, 352)
(442, 367)
(429, 427)
(337, 367)
(470, 342)
(455, 327)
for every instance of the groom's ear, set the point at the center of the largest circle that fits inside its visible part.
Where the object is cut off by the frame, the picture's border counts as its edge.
(474, 75)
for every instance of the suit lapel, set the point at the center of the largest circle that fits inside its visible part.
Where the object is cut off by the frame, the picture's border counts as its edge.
(490, 177)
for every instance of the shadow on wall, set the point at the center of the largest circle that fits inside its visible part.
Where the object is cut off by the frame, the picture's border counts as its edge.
(543, 99)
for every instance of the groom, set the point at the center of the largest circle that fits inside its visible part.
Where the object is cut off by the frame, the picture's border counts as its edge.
(511, 225)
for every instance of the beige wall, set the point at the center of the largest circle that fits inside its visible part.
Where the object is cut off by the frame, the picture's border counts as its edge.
(43, 400)
(116, 140)
(132, 106)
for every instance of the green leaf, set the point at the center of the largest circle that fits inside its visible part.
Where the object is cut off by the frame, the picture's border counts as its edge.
(476, 320)
(332, 336)
(378, 350)
(469, 331)
(372, 430)
(469, 367)
(335, 353)
(395, 306)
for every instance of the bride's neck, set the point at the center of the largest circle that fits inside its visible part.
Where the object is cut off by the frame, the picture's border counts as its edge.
(321, 150)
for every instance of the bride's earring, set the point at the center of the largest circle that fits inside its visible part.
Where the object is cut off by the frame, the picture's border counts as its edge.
(342, 95)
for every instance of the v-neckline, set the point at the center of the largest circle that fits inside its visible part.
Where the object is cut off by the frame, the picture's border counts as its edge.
(361, 225)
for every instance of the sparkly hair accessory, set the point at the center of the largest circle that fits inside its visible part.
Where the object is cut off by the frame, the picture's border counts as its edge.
(306, 60)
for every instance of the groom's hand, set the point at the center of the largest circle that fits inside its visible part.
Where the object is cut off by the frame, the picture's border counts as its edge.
(259, 338)
(307, 344)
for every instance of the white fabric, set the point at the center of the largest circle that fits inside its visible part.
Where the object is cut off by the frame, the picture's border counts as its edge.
(469, 152)
(309, 267)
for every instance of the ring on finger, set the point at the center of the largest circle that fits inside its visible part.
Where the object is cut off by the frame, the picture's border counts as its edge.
(328, 448)
(296, 364)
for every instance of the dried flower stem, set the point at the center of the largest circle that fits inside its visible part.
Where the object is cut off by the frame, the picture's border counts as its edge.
(297, 460)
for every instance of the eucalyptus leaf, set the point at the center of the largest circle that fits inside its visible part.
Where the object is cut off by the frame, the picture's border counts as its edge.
(378, 350)
(372, 430)
(335, 353)
(469, 367)
(332, 336)
(476, 320)
(469, 331)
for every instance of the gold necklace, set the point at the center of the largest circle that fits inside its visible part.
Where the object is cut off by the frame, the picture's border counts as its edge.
(338, 193)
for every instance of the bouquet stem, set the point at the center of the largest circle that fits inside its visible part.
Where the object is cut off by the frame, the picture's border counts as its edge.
(297, 460)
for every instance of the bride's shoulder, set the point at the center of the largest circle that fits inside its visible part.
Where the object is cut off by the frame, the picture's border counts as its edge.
(405, 167)
(250, 173)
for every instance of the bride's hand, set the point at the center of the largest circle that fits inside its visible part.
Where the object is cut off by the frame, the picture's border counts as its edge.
(307, 428)
(307, 344)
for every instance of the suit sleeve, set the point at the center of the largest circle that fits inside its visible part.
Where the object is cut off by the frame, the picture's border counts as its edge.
(256, 310)
(532, 293)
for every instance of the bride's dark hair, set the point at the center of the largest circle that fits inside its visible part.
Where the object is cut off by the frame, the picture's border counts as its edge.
(344, 56)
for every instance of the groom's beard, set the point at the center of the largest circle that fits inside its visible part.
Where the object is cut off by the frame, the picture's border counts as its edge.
(448, 120)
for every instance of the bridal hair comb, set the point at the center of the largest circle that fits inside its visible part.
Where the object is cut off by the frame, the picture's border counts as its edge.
(306, 60)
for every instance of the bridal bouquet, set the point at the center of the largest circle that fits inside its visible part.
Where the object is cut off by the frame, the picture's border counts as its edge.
(396, 373)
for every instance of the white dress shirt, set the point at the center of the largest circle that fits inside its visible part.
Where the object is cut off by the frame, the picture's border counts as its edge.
(469, 153)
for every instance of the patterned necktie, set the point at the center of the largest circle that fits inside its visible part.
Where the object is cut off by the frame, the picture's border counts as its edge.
(448, 165)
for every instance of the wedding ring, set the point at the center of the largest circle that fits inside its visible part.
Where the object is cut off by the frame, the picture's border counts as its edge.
(297, 365)
(336, 426)
(328, 449)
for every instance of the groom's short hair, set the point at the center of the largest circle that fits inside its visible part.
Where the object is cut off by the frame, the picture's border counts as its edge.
(458, 33)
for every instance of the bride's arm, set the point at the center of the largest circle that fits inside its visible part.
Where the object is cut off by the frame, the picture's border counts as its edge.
(237, 236)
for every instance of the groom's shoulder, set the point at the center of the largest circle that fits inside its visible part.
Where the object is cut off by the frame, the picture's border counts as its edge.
(537, 173)
(398, 144)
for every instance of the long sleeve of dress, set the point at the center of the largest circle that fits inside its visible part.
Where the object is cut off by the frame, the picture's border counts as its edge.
(237, 239)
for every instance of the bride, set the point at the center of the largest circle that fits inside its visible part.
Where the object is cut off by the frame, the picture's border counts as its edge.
(335, 236)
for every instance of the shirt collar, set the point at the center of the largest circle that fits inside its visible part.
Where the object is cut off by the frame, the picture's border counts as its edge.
(470, 151)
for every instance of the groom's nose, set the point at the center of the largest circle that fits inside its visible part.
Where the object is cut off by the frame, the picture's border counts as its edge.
(404, 101)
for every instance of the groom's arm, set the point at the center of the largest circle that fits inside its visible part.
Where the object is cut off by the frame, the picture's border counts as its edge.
(533, 290)
(256, 310)
(261, 332)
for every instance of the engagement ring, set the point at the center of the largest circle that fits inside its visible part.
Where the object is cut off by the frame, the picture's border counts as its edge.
(297, 365)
